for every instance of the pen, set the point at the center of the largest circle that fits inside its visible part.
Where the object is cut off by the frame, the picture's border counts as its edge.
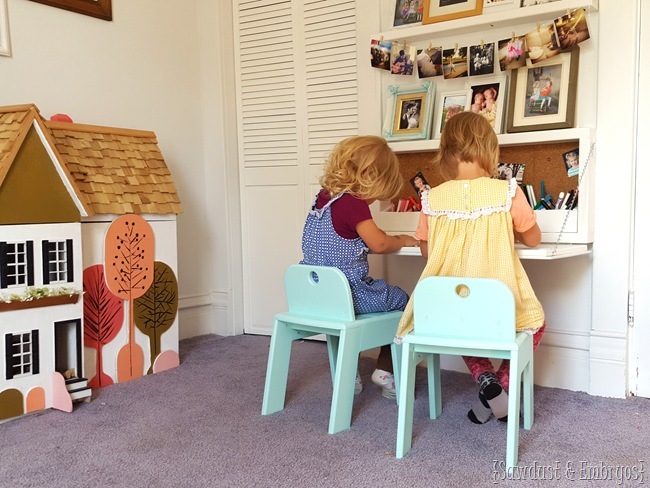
(560, 200)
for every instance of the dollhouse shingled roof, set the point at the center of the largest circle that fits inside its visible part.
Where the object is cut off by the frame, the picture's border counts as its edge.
(111, 170)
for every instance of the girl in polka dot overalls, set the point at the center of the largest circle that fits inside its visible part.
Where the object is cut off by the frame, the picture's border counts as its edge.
(468, 227)
(340, 231)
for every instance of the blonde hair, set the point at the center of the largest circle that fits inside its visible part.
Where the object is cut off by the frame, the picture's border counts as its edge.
(469, 137)
(364, 166)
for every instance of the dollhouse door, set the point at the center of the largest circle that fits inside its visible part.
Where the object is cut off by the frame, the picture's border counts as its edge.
(640, 332)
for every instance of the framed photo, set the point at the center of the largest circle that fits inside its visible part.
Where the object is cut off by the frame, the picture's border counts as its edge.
(543, 96)
(408, 12)
(5, 46)
(530, 3)
(102, 9)
(487, 97)
(451, 103)
(490, 6)
(442, 10)
(409, 110)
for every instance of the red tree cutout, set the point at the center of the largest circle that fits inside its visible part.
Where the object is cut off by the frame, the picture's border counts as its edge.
(128, 260)
(103, 317)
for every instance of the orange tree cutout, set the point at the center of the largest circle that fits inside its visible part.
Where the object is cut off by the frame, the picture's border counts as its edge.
(128, 263)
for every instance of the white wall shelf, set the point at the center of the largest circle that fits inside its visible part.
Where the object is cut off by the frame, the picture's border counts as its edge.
(487, 20)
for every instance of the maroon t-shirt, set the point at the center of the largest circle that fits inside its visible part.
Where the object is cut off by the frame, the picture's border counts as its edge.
(347, 212)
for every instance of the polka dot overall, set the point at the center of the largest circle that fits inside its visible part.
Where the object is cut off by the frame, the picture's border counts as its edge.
(322, 246)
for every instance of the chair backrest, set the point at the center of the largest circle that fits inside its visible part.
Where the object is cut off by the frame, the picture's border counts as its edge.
(464, 308)
(319, 292)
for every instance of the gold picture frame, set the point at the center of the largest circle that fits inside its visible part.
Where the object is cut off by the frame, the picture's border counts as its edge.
(102, 9)
(443, 10)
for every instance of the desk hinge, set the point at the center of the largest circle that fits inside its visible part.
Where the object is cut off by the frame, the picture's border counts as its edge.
(630, 308)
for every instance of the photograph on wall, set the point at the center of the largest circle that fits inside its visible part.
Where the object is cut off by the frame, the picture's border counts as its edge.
(410, 114)
(429, 62)
(490, 6)
(543, 96)
(454, 62)
(508, 171)
(380, 54)
(512, 53)
(402, 59)
(481, 59)
(572, 28)
(488, 99)
(408, 12)
(451, 103)
(572, 162)
(419, 183)
(542, 43)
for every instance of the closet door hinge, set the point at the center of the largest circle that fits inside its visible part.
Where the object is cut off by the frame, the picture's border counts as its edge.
(630, 308)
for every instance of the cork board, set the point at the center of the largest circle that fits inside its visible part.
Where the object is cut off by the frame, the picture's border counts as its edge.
(544, 162)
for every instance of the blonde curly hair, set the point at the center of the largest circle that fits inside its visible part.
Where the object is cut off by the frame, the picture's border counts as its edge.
(364, 166)
(467, 136)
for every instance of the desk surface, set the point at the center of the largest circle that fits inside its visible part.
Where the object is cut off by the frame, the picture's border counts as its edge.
(543, 251)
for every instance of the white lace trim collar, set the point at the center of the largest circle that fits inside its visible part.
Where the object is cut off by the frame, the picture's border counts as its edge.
(471, 214)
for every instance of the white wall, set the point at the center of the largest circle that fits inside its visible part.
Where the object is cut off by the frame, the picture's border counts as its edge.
(157, 66)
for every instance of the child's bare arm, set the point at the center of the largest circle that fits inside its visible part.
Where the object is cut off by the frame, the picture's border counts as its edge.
(381, 243)
(424, 248)
(531, 238)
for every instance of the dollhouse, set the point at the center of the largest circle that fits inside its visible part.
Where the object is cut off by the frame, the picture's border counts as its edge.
(64, 189)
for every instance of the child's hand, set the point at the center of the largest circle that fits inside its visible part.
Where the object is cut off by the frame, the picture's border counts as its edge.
(409, 241)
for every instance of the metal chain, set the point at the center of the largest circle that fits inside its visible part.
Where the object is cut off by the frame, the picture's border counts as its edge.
(566, 218)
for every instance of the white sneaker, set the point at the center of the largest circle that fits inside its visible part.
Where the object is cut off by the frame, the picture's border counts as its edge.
(386, 381)
(358, 386)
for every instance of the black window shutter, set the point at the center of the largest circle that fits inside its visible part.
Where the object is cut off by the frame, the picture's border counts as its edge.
(3, 265)
(46, 262)
(9, 363)
(70, 261)
(35, 357)
(29, 245)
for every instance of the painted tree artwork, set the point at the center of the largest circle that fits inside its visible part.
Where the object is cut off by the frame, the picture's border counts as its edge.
(128, 263)
(156, 310)
(103, 318)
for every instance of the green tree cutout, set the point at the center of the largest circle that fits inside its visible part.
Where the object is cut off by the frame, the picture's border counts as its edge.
(155, 311)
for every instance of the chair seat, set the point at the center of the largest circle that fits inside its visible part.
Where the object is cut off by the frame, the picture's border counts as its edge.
(449, 313)
(320, 302)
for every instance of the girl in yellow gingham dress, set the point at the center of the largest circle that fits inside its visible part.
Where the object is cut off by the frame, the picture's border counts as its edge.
(468, 227)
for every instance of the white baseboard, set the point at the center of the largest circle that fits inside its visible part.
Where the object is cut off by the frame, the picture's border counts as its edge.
(204, 314)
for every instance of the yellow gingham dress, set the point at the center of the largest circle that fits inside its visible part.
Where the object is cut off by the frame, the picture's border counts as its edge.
(471, 234)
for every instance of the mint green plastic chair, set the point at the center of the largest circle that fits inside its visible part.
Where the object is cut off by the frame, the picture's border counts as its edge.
(472, 317)
(320, 302)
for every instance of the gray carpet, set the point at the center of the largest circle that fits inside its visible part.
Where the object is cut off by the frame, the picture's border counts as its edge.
(199, 425)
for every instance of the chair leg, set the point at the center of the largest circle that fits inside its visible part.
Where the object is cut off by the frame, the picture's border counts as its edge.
(435, 393)
(396, 352)
(514, 394)
(277, 369)
(332, 352)
(406, 401)
(529, 395)
(343, 389)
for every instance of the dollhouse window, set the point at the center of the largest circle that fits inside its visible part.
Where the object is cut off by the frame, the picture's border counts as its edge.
(22, 354)
(57, 262)
(16, 264)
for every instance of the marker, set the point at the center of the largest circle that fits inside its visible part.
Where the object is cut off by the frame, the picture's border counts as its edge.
(560, 200)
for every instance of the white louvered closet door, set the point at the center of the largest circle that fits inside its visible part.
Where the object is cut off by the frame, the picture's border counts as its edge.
(298, 93)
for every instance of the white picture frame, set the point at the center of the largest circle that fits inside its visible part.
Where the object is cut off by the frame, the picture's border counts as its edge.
(5, 45)
(451, 100)
(495, 112)
(491, 6)
(398, 125)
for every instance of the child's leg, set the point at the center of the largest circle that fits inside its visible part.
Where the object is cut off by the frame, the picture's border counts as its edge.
(385, 359)
(492, 396)
(503, 373)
